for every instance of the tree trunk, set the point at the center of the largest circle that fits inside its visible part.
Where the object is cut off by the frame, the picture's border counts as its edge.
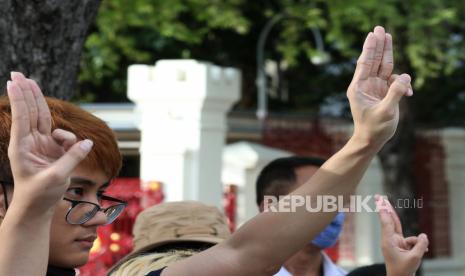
(44, 39)
(397, 161)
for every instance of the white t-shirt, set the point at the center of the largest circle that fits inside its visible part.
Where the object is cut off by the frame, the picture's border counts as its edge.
(329, 268)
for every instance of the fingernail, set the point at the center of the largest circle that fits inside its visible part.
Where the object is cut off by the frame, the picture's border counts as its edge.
(13, 73)
(410, 92)
(86, 145)
(8, 84)
(404, 78)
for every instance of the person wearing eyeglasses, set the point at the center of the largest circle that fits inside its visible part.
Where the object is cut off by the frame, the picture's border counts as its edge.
(53, 194)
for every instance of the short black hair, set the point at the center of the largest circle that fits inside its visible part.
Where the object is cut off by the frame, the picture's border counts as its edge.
(279, 174)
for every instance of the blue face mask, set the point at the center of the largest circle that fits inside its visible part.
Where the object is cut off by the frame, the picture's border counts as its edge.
(330, 234)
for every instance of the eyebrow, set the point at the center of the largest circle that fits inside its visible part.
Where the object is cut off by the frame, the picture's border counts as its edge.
(87, 182)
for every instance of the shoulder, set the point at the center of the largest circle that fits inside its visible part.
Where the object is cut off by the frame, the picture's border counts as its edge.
(331, 268)
(283, 272)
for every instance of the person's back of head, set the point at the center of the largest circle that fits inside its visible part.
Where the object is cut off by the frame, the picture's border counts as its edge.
(169, 232)
(157, 259)
(279, 176)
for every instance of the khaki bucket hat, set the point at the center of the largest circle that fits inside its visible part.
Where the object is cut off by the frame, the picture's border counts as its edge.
(174, 222)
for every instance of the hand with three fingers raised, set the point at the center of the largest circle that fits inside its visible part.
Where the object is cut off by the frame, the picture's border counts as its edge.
(41, 159)
(374, 93)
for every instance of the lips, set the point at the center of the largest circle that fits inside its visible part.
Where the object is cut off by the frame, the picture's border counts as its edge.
(86, 242)
(91, 238)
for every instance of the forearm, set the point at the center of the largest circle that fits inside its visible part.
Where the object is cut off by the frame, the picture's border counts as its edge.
(272, 237)
(24, 237)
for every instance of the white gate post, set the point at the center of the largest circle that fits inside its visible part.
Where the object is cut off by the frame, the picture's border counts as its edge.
(182, 107)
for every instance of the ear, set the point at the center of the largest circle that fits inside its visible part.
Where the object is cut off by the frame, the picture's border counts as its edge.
(261, 207)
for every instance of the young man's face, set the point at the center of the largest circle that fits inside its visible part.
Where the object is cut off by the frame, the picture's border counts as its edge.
(70, 244)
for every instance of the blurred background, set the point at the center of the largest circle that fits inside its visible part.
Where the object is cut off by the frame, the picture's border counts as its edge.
(202, 94)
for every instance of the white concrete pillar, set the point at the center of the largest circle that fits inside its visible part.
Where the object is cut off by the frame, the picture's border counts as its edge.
(454, 145)
(181, 106)
(367, 225)
(453, 140)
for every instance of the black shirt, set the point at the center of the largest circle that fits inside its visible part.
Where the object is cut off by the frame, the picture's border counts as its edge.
(156, 272)
(59, 271)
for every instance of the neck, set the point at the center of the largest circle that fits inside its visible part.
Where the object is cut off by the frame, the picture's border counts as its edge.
(306, 262)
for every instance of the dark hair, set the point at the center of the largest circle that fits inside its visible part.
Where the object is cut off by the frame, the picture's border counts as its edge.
(371, 270)
(5, 186)
(280, 174)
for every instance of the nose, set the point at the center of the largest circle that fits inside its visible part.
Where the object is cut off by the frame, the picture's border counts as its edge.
(98, 220)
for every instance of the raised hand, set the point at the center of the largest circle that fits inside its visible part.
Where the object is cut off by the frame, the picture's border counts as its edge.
(41, 160)
(402, 255)
(374, 93)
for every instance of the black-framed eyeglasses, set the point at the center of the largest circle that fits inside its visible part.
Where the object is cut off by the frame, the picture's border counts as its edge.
(81, 212)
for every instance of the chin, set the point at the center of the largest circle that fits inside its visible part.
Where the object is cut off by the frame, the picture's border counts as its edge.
(75, 261)
(81, 262)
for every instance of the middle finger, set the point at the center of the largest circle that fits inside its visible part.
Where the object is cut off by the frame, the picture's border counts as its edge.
(380, 35)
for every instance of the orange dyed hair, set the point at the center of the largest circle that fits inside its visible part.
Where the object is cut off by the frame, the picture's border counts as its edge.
(104, 155)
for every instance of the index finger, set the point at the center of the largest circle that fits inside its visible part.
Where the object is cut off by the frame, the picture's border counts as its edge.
(395, 217)
(387, 222)
(366, 60)
(380, 35)
(20, 126)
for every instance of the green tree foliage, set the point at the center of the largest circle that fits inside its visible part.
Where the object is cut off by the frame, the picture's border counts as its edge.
(429, 44)
(428, 36)
(141, 31)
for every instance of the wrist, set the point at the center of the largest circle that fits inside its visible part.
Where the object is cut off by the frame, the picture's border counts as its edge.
(365, 144)
(29, 211)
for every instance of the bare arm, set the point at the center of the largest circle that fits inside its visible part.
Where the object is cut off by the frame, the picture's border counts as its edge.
(41, 165)
(267, 240)
(25, 239)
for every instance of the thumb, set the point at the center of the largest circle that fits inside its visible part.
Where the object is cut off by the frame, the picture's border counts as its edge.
(69, 161)
(421, 246)
(399, 88)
